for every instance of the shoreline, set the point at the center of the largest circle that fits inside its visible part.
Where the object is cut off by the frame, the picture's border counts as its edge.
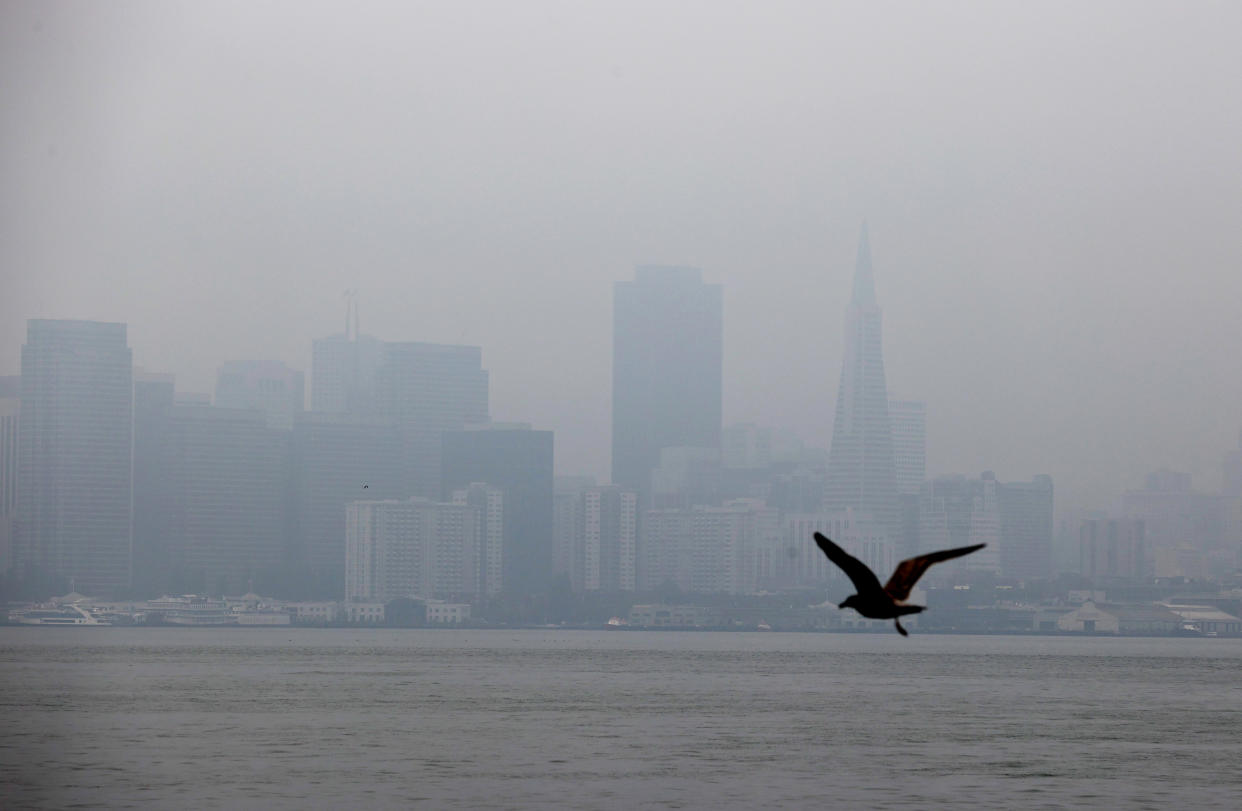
(658, 629)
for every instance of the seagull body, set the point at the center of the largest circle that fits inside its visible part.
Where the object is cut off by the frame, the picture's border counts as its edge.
(886, 602)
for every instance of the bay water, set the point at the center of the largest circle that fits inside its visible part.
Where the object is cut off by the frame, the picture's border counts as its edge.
(341, 718)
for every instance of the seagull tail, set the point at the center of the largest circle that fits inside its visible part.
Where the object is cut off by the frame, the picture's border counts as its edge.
(900, 630)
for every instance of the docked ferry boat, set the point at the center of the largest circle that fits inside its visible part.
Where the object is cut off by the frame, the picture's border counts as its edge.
(55, 615)
(190, 609)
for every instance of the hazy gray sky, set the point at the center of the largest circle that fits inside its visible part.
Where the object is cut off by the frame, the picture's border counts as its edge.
(1054, 192)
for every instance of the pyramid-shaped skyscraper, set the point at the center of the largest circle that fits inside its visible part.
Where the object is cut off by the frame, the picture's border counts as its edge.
(861, 471)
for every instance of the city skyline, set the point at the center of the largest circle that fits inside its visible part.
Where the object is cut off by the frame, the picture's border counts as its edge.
(1205, 475)
(1054, 256)
(217, 477)
(326, 354)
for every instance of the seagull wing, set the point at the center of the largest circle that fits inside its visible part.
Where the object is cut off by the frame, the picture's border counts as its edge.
(863, 578)
(909, 571)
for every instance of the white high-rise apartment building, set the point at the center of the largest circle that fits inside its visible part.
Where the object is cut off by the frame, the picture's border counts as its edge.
(985, 528)
(596, 534)
(700, 549)
(854, 532)
(414, 548)
(491, 503)
(567, 526)
(609, 539)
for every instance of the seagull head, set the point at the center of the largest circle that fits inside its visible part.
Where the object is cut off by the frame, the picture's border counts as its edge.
(848, 602)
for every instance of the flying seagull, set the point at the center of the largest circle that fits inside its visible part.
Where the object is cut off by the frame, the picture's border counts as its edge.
(887, 602)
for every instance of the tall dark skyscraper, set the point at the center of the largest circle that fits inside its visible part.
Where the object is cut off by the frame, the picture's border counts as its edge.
(227, 475)
(666, 369)
(154, 398)
(862, 474)
(211, 492)
(74, 454)
(427, 389)
(519, 462)
(10, 407)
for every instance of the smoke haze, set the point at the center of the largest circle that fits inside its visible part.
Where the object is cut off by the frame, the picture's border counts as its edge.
(1054, 195)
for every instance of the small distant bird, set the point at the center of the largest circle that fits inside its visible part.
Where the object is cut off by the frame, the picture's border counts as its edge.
(887, 602)
(365, 486)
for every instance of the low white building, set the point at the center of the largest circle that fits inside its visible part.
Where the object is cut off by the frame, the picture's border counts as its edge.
(439, 613)
(313, 612)
(254, 610)
(670, 616)
(370, 613)
(263, 618)
(332, 612)
(1207, 619)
